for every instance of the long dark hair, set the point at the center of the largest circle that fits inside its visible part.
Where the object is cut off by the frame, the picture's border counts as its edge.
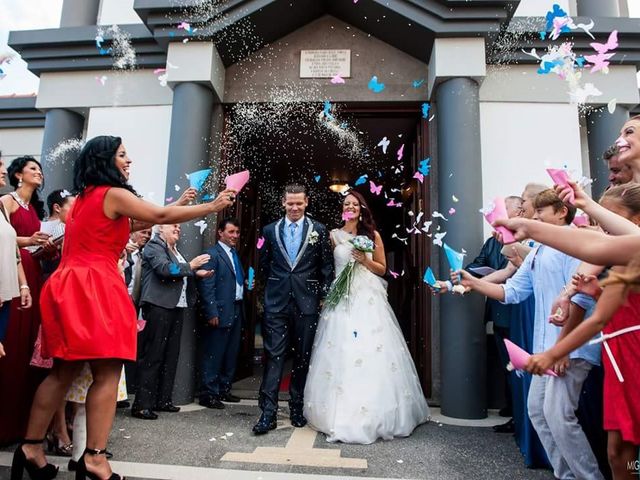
(17, 166)
(366, 223)
(95, 165)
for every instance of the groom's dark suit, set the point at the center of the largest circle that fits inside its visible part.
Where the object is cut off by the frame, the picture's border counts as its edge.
(292, 297)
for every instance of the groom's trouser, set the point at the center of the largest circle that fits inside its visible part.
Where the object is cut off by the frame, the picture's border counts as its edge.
(290, 327)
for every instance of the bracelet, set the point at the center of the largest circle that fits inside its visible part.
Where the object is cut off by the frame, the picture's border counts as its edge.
(24, 287)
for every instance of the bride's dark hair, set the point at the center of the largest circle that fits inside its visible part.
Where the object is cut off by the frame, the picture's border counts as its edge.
(366, 223)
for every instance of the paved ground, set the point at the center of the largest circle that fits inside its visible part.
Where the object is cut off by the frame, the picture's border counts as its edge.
(191, 445)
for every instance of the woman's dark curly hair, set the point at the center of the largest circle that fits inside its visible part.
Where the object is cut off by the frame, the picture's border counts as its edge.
(17, 166)
(95, 165)
(366, 223)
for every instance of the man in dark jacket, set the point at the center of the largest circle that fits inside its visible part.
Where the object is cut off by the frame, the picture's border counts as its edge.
(221, 297)
(297, 263)
(168, 290)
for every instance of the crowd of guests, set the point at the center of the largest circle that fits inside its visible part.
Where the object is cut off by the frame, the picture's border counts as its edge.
(542, 296)
(68, 321)
(123, 286)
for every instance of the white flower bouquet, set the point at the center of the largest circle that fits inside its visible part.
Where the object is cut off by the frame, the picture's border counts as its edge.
(342, 285)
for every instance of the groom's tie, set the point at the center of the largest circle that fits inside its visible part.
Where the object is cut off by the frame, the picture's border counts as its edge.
(292, 249)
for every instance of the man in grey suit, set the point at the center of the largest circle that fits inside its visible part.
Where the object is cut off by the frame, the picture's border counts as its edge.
(167, 291)
(221, 297)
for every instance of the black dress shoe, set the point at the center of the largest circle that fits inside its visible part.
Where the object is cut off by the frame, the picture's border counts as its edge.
(123, 404)
(212, 403)
(227, 397)
(297, 419)
(266, 423)
(168, 407)
(506, 412)
(509, 427)
(144, 414)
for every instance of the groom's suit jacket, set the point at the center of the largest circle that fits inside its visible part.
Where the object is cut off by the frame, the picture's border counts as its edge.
(307, 279)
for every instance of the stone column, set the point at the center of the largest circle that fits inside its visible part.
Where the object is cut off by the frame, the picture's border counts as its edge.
(462, 331)
(598, 8)
(602, 130)
(76, 13)
(60, 125)
(188, 151)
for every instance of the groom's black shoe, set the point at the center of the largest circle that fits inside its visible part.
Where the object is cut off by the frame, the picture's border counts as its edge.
(266, 423)
(297, 418)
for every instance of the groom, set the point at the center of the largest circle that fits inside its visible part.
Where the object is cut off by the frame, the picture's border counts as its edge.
(297, 263)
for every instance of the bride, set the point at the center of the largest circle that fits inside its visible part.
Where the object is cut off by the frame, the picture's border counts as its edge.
(362, 384)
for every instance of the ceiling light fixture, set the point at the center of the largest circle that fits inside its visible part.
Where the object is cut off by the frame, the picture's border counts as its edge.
(339, 187)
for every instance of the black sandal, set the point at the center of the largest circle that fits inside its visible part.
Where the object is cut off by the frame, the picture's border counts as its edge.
(81, 470)
(20, 463)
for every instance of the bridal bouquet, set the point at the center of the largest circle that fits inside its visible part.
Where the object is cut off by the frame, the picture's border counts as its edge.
(342, 284)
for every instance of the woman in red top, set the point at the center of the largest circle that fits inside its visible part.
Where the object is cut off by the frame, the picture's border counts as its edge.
(25, 210)
(87, 314)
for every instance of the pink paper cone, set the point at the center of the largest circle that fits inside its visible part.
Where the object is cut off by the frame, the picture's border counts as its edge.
(141, 324)
(499, 212)
(520, 357)
(581, 221)
(561, 177)
(237, 180)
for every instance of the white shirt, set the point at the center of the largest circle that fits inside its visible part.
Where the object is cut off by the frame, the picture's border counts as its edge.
(239, 288)
(182, 303)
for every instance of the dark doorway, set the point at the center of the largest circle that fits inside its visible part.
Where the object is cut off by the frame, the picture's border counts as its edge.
(289, 146)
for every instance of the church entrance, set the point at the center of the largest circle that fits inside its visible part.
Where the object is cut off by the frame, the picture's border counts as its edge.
(375, 149)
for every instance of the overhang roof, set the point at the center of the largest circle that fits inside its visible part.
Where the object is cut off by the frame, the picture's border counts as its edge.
(240, 27)
(409, 25)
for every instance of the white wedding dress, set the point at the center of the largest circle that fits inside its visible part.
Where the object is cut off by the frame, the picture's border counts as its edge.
(362, 383)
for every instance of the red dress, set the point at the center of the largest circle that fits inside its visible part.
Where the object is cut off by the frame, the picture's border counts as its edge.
(86, 310)
(622, 400)
(19, 380)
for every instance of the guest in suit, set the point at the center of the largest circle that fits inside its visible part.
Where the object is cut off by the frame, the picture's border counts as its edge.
(297, 263)
(221, 296)
(168, 290)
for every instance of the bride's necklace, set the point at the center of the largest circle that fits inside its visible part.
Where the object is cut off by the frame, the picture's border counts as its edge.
(19, 200)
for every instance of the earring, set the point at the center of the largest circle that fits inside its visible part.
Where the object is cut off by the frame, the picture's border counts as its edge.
(360, 218)
(19, 183)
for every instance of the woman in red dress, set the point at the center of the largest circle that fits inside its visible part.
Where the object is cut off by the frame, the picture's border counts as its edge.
(17, 378)
(87, 314)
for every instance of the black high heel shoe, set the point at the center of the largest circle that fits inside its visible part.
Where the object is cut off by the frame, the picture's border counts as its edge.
(20, 463)
(81, 470)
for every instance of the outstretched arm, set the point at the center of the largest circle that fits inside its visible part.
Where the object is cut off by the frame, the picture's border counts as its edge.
(488, 289)
(120, 202)
(608, 220)
(611, 299)
(589, 246)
